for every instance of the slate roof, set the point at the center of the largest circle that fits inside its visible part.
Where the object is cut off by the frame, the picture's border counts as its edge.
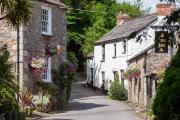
(90, 55)
(125, 29)
(55, 2)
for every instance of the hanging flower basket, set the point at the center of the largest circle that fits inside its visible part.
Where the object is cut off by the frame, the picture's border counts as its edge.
(53, 50)
(37, 64)
(132, 73)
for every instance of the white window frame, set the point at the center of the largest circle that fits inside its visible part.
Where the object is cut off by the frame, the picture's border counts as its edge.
(46, 75)
(49, 26)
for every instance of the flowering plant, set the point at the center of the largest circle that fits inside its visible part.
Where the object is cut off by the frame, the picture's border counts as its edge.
(132, 73)
(37, 64)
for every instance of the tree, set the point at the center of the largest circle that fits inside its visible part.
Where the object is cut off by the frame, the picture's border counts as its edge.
(166, 104)
(102, 23)
(8, 102)
(17, 12)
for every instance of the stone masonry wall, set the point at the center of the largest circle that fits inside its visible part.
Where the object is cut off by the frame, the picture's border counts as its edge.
(149, 63)
(136, 86)
(35, 42)
(8, 36)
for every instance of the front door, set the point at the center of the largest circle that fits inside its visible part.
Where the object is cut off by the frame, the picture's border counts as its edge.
(92, 76)
(149, 90)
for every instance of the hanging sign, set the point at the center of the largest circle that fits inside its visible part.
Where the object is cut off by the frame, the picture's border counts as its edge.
(161, 42)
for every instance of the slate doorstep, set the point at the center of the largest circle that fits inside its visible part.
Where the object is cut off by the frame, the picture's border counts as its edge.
(37, 115)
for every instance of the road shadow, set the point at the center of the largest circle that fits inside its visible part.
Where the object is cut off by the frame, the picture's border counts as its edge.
(77, 106)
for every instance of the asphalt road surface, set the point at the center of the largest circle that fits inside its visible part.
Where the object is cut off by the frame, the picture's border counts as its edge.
(85, 104)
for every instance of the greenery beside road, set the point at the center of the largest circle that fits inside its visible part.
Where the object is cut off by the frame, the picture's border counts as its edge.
(117, 91)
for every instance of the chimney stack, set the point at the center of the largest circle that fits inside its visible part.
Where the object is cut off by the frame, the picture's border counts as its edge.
(164, 9)
(122, 17)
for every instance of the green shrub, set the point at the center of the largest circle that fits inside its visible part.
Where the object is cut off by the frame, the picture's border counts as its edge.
(8, 102)
(167, 101)
(116, 90)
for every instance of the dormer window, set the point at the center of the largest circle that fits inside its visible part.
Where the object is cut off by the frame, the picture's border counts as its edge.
(124, 47)
(46, 20)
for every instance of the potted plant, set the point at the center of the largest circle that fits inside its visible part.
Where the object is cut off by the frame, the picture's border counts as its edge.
(37, 64)
(132, 73)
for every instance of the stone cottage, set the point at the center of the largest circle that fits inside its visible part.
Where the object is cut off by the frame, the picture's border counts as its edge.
(112, 51)
(148, 66)
(45, 30)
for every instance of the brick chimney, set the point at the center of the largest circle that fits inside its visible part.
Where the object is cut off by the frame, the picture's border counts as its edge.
(122, 17)
(164, 9)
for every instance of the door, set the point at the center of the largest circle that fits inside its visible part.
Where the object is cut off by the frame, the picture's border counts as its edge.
(149, 90)
(92, 76)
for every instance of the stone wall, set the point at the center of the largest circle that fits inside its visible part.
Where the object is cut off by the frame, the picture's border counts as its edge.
(8, 36)
(34, 42)
(155, 60)
(136, 85)
(150, 64)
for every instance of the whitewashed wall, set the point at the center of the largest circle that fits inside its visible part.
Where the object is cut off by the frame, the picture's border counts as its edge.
(116, 64)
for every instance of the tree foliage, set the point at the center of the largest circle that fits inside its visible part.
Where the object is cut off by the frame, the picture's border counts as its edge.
(166, 104)
(89, 20)
(8, 102)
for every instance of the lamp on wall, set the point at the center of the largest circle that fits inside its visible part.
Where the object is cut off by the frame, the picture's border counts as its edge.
(59, 49)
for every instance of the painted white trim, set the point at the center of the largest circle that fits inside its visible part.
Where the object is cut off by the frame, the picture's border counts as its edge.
(49, 69)
(49, 78)
(49, 20)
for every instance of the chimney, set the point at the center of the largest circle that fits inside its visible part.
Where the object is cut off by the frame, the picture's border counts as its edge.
(122, 17)
(164, 9)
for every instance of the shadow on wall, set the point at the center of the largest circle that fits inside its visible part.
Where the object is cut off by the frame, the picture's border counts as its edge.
(96, 74)
(77, 106)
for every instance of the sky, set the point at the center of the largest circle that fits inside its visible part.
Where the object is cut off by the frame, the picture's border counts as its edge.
(146, 4)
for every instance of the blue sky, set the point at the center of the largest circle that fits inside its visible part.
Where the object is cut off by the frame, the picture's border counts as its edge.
(146, 3)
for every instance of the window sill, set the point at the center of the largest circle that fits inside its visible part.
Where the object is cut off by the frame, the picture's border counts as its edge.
(46, 35)
(114, 57)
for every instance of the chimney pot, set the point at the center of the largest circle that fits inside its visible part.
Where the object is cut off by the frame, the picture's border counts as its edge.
(164, 9)
(122, 17)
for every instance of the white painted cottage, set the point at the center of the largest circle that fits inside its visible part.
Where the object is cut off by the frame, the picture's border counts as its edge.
(112, 51)
(114, 48)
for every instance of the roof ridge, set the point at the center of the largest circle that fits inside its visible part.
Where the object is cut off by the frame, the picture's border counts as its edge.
(140, 17)
(126, 28)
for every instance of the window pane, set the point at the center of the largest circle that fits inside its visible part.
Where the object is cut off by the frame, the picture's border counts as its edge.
(44, 20)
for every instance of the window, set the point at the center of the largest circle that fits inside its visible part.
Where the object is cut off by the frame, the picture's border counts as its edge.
(103, 80)
(124, 47)
(46, 20)
(46, 75)
(103, 52)
(122, 77)
(114, 50)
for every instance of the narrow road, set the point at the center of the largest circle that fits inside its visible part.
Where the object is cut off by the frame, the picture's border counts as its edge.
(85, 104)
